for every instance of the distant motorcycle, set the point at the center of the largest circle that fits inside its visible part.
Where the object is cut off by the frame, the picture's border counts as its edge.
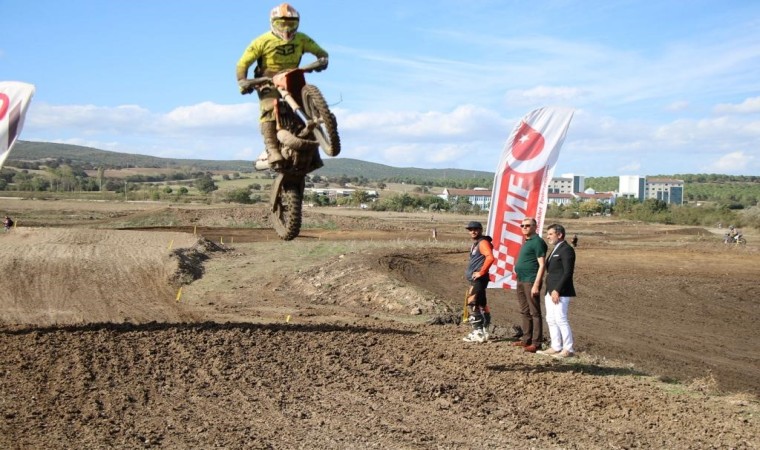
(736, 239)
(304, 123)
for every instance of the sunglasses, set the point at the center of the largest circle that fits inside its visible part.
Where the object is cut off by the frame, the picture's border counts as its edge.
(526, 225)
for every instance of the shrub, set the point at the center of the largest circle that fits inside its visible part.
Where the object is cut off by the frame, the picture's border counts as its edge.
(240, 195)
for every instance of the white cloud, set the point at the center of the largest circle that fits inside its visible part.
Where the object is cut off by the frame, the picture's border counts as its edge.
(247, 153)
(544, 94)
(209, 114)
(735, 162)
(748, 106)
(676, 106)
(720, 133)
(464, 122)
(87, 117)
(633, 167)
(402, 155)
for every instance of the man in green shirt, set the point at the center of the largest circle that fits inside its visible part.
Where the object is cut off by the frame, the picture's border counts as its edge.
(530, 272)
(276, 50)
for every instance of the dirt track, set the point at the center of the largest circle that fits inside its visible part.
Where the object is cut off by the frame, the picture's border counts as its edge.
(323, 343)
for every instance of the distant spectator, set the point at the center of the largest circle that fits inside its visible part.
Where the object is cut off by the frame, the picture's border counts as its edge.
(574, 240)
(7, 223)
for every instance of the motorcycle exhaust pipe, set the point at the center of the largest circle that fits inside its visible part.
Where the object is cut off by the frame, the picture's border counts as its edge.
(294, 142)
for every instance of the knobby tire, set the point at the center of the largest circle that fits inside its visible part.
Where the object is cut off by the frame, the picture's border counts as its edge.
(316, 108)
(286, 216)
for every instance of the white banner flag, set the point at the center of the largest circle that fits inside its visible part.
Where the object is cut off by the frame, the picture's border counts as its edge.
(521, 184)
(14, 101)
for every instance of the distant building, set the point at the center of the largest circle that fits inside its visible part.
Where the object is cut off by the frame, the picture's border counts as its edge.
(632, 186)
(641, 188)
(668, 190)
(478, 196)
(334, 194)
(560, 199)
(602, 197)
(569, 188)
(567, 184)
(566, 199)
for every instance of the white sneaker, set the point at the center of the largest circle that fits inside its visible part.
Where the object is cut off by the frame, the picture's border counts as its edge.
(486, 334)
(475, 336)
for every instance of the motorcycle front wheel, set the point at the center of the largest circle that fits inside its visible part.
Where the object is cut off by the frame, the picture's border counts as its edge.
(326, 131)
(287, 208)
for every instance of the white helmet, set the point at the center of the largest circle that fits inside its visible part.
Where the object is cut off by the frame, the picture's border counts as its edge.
(284, 21)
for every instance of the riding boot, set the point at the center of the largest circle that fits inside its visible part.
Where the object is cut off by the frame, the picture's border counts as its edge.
(272, 145)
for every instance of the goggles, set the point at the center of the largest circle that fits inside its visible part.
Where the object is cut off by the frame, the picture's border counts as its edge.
(288, 25)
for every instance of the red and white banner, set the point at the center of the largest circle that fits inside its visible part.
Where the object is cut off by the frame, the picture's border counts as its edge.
(14, 101)
(521, 184)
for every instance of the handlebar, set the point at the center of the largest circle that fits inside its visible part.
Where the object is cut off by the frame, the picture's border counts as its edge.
(316, 65)
(251, 83)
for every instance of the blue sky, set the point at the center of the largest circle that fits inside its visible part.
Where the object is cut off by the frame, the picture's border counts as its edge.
(658, 87)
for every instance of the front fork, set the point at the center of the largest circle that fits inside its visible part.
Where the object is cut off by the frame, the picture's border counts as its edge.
(297, 111)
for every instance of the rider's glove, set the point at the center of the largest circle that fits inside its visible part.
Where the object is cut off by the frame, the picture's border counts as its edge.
(244, 87)
(324, 62)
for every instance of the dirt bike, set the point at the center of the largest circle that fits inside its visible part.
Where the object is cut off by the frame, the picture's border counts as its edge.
(738, 239)
(304, 124)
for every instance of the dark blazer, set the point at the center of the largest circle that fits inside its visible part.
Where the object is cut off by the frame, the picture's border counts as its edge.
(559, 270)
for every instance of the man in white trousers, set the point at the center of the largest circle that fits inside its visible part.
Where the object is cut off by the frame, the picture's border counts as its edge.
(560, 265)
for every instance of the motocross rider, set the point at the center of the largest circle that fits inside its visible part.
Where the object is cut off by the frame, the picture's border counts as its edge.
(279, 49)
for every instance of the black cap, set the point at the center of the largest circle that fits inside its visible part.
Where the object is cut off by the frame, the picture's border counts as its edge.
(474, 225)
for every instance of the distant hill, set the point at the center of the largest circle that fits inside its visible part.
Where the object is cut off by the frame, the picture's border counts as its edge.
(373, 171)
(39, 151)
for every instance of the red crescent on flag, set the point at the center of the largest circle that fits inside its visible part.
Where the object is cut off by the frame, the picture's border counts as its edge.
(4, 103)
(528, 143)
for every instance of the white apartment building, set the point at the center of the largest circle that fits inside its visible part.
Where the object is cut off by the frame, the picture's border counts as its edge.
(641, 188)
(567, 184)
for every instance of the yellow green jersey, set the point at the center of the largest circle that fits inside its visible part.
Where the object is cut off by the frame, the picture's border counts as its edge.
(273, 55)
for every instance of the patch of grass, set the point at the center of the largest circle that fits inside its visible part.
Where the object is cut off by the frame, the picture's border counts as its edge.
(675, 387)
(331, 249)
(243, 182)
(707, 385)
(322, 225)
(164, 218)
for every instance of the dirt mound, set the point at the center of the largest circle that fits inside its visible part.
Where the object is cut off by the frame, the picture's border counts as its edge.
(375, 280)
(73, 276)
(190, 261)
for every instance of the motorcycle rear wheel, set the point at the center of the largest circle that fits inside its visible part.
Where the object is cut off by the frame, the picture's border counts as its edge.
(326, 131)
(286, 213)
